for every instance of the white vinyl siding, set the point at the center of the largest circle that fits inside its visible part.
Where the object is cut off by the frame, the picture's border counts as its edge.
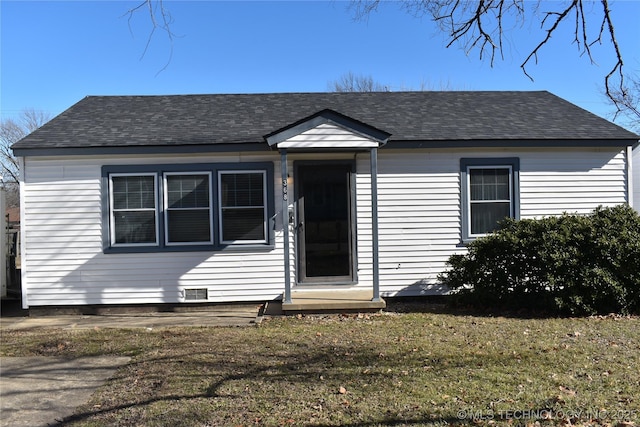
(635, 179)
(420, 213)
(572, 181)
(64, 259)
(419, 224)
(419, 219)
(327, 136)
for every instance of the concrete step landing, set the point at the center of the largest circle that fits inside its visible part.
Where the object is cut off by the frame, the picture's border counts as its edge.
(334, 299)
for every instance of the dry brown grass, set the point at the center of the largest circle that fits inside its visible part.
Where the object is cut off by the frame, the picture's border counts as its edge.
(370, 370)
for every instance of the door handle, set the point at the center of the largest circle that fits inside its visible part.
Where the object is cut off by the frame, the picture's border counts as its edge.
(300, 226)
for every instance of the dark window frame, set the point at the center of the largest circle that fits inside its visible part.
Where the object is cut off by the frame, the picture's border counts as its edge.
(510, 163)
(113, 210)
(222, 208)
(159, 170)
(168, 209)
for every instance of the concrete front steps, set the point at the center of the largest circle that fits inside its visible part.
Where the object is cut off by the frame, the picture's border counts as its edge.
(310, 300)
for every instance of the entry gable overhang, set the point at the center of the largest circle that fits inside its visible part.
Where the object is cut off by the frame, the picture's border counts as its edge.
(328, 129)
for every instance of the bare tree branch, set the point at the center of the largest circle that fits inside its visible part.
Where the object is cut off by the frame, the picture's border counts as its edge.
(619, 64)
(350, 82)
(11, 131)
(363, 8)
(481, 26)
(559, 18)
(160, 19)
(626, 100)
(477, 25)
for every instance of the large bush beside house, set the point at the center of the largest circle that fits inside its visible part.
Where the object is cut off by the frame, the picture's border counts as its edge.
(574, 264)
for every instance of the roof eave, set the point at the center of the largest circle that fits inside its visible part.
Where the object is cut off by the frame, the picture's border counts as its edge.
(511, 143)
(140, 149)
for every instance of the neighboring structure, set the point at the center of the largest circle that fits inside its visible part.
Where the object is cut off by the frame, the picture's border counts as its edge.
(346, 196)
(3, 243)
(13, 266)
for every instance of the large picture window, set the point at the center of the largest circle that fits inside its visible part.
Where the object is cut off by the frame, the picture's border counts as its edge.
(187, 207)
(243, 213)
(489, 194)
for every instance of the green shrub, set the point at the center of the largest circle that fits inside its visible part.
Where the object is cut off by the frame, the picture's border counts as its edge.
(576, 264)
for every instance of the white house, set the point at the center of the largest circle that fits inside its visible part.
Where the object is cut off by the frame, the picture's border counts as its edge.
(346, 196)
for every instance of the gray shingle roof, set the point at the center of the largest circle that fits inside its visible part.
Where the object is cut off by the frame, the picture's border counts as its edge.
(125, 121)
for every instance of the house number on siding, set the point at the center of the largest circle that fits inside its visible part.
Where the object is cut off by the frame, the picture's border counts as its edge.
(284, 190)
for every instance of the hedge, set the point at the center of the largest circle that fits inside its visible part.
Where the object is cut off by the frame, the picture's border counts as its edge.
(572, 264)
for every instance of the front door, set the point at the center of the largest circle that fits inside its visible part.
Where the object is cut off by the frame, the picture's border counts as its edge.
(324, 228)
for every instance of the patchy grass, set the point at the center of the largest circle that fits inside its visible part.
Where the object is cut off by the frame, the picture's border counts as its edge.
(373, 370)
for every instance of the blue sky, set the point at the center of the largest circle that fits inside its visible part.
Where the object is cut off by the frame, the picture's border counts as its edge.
(52, 54)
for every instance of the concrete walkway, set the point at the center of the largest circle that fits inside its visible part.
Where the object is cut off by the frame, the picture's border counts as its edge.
(224, 315)
(41, 391)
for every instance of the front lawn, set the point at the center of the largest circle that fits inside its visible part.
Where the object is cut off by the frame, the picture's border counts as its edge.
(369, 370)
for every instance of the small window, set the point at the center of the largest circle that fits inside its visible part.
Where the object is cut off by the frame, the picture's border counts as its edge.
(489, 194)
(188, 213)
(489, 198)
(243, 211)
(134, 210)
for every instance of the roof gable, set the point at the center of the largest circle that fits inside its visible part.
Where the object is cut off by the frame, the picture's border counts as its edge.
(327, 129)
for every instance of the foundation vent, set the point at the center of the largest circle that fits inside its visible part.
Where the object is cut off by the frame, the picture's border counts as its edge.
(199, 294)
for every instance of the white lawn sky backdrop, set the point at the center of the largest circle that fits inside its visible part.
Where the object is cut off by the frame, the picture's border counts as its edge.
(55, 53)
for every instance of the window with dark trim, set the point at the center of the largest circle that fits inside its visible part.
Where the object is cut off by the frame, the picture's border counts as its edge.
(134, 209)
(150, 208)
(187, 210)
(243, 213)
(490, 193)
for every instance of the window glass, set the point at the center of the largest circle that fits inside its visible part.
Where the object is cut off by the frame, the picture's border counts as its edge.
(489, 184)
(188, 208)
(242, 206)
(133, 213)
(485, 216)
(188, 191)
(173, 207)
(489, 198)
